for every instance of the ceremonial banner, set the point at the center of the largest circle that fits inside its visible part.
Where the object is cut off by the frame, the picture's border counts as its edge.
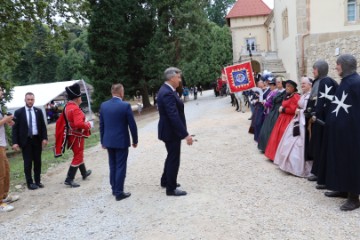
(240, 77)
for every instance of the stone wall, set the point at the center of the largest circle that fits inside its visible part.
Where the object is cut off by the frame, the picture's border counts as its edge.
(324, 46)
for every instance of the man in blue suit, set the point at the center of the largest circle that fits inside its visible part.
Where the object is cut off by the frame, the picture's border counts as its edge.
(116, 118)
(172, 129)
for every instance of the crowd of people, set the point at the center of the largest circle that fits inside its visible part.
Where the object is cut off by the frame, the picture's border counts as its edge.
(312, 133)
(29, 134)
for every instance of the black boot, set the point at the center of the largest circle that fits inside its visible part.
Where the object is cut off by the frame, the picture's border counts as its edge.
(351, 203)
(70, 177)
(85, 173)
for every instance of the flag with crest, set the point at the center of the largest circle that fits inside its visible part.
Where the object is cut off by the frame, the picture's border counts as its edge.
(240, 77)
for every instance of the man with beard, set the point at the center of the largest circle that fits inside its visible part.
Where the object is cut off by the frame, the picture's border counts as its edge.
(30, 134)
(321, 95)
(343, 136)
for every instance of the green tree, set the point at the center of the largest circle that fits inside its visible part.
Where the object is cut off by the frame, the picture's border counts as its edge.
(39, 59)
(118, 33)
(215, 53)
(185, 38)
(217, 10)
(177, 38)
(134, 41)
(74, 64)
(19, 18)
(70, 66)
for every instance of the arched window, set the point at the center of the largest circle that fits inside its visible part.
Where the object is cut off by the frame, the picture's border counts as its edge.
(351, 11)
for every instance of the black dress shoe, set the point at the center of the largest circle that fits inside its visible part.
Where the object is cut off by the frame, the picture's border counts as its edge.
(350, 205)
(32, 186)
(40, 185)
(176, 192)
(320, 186)
(164, 186)
(122, 196)
(336, 194)
(312, 178)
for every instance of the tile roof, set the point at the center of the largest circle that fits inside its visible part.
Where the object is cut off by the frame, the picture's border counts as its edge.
(248, 8)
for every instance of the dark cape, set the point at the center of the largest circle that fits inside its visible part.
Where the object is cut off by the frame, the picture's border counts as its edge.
(259, 115)
(343, 137)
(270, 121)
(315, 145)
(253, 97)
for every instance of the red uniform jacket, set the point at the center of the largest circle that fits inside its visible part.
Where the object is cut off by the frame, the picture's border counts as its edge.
(73, 125)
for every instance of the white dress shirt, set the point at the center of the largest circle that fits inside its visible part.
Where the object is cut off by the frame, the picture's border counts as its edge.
(170, 86)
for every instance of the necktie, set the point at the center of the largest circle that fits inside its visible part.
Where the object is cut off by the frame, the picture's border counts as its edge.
(30, 130)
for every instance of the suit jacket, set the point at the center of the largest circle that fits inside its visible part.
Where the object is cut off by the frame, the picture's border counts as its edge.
(172, 122)
(116, 118)
(20, 128)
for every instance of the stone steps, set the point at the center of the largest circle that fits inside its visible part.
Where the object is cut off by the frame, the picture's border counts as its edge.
(272, 63)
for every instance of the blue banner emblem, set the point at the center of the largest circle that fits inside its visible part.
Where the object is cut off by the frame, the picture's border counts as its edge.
(240, 77)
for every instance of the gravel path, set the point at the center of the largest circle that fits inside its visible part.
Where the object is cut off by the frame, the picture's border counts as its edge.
(233, 192)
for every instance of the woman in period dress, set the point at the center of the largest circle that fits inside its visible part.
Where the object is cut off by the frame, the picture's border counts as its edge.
(259, 116)
(290, 152)
(269, 98)
(287, 112)
(271, 118)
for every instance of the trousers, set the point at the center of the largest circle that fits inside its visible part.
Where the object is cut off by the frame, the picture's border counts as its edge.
(4, 174)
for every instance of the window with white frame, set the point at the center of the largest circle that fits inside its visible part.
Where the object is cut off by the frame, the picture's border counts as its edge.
(250, 44)
(352, 14)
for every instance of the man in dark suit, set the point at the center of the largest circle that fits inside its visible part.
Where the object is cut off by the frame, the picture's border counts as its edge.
(172, 129)
(30, 134)
(116, 118)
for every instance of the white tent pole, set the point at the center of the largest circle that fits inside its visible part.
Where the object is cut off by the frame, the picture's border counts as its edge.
(88, 99)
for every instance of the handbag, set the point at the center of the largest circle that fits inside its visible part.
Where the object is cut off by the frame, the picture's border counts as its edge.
(296, 129)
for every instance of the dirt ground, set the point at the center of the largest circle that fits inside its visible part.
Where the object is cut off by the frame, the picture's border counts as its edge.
(233, 191)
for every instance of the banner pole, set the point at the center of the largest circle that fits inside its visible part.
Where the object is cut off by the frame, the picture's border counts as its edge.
(88, 100)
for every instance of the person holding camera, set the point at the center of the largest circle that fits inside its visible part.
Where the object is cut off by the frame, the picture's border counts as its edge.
(5, 198)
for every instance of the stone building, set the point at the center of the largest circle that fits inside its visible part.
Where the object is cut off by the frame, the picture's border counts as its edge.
(298, 33)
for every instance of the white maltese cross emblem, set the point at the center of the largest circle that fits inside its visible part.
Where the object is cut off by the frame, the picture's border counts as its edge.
(341, 104)
(326, 93)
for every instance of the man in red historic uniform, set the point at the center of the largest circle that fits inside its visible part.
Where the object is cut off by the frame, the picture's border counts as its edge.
(78, 130)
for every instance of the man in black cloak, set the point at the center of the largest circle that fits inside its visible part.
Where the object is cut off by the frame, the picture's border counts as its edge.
(343, 136)
(321, 95)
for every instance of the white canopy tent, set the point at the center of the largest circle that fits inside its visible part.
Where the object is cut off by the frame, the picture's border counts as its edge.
(44, 94)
